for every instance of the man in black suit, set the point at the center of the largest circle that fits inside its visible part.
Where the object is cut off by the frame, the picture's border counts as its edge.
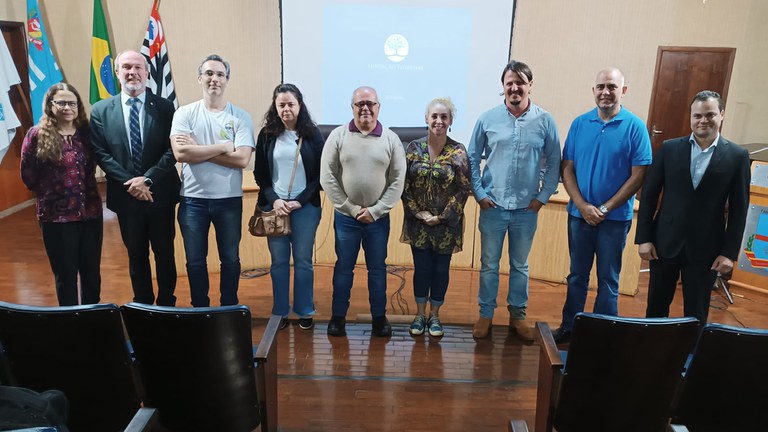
(689, 234)
(130, 135)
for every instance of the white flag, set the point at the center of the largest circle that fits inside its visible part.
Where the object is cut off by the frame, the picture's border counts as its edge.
(8, 119)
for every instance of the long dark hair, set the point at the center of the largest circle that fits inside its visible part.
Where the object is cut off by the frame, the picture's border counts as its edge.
(273, 125)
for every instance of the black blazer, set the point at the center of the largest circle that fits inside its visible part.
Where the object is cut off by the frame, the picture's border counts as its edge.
(112, 149)
(311, 150)
(695, 219)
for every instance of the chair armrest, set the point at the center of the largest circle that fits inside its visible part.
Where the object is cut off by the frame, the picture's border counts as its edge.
(518, 426)
(676, 428)
(266, 374)
(550, 374)
(144, 420)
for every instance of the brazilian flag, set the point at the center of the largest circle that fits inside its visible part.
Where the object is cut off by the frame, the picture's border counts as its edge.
(103, 79)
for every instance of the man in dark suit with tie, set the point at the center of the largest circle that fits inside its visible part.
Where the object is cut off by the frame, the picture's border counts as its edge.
(130, 135)
(687, 234)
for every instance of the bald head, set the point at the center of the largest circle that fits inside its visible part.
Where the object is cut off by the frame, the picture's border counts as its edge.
(609, 89)
(365, 108)
(612, 73)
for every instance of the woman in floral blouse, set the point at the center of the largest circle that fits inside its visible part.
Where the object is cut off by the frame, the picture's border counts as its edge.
(57, 165)
(437, 185)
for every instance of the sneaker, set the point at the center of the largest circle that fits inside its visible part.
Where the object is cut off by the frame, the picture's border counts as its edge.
(417, 326)
(306, 323)
(434, 326)
(561, 335)
(336, 326)
(283, 323)
(381, 327)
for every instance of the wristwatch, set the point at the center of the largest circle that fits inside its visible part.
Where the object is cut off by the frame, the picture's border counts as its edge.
(148, 182)
(603, 209)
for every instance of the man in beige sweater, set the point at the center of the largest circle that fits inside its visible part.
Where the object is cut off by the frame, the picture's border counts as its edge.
(362, 171)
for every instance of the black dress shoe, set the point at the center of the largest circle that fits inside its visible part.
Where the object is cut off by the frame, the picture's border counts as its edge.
(336, 326)
(561, 335)
(380, 327)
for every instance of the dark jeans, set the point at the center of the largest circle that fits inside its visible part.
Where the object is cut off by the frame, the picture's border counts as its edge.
(75, 248)
(140, 229)
(195, 218)
(605, 242)
(431, 272)
(349, 235)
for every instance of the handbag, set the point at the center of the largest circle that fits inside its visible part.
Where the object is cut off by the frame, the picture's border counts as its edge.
(271, 224)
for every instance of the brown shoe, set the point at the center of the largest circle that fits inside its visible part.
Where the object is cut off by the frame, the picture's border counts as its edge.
(482, 328)
(522, 328)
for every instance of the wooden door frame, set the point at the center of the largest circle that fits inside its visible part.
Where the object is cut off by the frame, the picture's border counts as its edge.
(662, 49)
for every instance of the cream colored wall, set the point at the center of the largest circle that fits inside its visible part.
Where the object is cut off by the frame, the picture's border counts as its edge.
(567, 42)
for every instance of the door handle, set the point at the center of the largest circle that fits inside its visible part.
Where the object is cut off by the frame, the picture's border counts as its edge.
(654, 131)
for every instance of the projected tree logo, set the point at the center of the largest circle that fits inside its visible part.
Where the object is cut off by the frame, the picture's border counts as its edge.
(396, 48)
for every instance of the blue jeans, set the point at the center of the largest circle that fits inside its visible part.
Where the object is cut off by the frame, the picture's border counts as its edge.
(585, 242)
(304, 222)
(431, 271)
(520, 226)
(349, 234)
(195, 218)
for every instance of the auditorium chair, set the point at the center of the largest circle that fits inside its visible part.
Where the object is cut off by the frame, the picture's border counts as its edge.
(725, 388)
(80, 350)
(199, 367)
(619, 374)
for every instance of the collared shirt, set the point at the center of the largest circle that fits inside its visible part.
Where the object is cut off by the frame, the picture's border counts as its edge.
(700, 159)
(522, 156)
(377, 131)
(603, 154)
(125, 99)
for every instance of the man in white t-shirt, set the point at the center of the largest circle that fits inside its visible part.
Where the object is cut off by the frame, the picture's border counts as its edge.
(213, 140)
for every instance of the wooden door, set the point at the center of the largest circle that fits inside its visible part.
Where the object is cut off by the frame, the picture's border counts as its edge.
(12, 190)
(681, 72)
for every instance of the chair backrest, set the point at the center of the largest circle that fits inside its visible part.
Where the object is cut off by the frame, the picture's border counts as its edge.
(80, 350)
(726, 385)
(621, 374)
(197, 365)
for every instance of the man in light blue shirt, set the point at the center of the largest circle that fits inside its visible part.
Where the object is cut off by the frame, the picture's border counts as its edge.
(522, 156)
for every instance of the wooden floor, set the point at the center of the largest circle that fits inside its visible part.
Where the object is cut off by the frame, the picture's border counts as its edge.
(363, 383)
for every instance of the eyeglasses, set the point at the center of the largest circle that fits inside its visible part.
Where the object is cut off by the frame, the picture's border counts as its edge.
(362, 104)
(64, 104)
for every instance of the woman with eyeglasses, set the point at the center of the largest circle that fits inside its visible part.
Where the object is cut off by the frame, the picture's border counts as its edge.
(291, 187)
(57, 164)
(437, 184)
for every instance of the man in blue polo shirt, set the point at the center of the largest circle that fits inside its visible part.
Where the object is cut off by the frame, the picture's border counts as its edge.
(518, 139)
(605, 157)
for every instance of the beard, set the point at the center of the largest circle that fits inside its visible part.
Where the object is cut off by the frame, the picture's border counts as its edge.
(131, 86)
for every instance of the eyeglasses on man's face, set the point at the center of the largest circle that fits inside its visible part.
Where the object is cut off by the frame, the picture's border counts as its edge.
(362, 104)
(64, 104)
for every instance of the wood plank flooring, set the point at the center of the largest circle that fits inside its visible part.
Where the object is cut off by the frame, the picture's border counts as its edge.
(364, 383)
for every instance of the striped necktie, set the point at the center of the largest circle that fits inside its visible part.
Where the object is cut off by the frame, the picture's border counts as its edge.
(136, 145)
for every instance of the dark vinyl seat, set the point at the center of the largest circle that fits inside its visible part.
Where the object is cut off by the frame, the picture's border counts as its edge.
(80, 350)
(199, 368)
(725, 388)
(621, 374)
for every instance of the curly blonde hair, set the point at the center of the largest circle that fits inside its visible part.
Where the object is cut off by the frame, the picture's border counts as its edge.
(48, 138)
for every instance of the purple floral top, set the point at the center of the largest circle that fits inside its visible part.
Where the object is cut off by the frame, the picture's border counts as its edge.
(66, 189)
